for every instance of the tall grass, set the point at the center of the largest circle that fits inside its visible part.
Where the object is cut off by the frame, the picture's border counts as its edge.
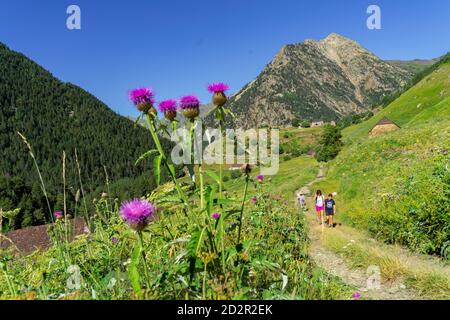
(180, 256)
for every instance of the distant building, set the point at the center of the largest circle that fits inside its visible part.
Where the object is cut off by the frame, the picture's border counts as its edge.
(31, 239)
(383, 126)
(234, 167)
(316, 124)
(311, 153)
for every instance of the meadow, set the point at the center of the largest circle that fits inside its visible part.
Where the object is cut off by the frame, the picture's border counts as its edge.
(208, 240)
(397, 186)
(234, 234)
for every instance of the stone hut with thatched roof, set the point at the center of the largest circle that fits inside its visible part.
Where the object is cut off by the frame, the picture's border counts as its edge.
(383, 126)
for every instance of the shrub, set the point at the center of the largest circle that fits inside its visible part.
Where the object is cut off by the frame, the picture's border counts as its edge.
(330, 144)
(235, 174)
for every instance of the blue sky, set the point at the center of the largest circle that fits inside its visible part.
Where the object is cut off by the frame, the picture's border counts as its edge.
(178, 46)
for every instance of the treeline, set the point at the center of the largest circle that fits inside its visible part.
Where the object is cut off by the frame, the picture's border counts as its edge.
(57, 117)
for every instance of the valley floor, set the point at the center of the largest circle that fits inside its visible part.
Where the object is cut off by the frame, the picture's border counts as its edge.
(376, 270)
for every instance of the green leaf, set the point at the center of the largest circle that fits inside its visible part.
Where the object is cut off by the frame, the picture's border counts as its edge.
(213, 176)
(171, 168)
(137, 120)
(195, 242)
(146, 155)
(219, 115)
(133, 272)
(157, 169)
(226, 201)
(169, 200)
(209, 196)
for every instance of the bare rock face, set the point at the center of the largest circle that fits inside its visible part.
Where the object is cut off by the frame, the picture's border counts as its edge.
(316, 80)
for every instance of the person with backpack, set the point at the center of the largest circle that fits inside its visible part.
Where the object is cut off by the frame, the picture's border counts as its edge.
(320, 206)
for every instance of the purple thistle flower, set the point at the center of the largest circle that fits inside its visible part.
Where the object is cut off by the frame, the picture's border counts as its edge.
(142, 96)
(115, 240)
(168, 105)
(218, 87)
(137, 213)
(189, 102)
(356, 295)
(260, 178)
(216, 216)
(255, 200)
(58, 214)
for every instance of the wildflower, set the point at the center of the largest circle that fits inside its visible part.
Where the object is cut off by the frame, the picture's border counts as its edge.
(115, 240)
(59, 215)
(169, 108)
(356, 295)
(190, 106)
(137, 213)
(143, 99)
(260, 178)
(218, 89)
(255, 200)
(216, 216)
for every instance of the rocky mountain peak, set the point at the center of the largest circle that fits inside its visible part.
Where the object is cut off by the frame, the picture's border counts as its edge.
(325, 79)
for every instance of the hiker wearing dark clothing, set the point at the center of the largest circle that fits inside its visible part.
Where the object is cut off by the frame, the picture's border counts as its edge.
(330, 210)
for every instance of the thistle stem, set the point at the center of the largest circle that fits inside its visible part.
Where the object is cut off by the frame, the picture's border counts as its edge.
(144, 259)
(202, 193)
(247, 180)
(221, 129)
(152, 129)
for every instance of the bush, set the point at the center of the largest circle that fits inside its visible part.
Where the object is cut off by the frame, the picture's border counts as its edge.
(306, 124)
(226, 178)
(236, 174)
(330, 144)
(296, 122)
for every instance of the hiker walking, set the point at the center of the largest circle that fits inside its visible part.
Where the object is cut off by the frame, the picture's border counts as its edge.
(320, 206)
(301, 201)
(330, 210)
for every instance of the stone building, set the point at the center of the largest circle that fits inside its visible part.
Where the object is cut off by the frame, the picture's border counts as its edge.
(383, 126)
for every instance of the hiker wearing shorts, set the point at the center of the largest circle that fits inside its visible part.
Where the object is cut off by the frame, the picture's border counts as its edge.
(301, 201)
(320, 206)
(330, 210)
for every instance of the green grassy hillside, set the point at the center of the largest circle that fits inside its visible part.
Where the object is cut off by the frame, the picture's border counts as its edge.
(397, 186)
(426, 102)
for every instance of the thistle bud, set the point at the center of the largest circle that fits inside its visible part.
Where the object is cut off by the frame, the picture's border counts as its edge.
(218, 90)
(190, 106)
(246, 169)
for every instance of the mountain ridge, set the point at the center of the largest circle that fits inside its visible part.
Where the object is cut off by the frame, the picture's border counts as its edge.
(56, 116)
(325, 79)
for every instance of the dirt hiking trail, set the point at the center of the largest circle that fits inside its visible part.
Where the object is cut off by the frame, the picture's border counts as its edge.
(349, 272)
